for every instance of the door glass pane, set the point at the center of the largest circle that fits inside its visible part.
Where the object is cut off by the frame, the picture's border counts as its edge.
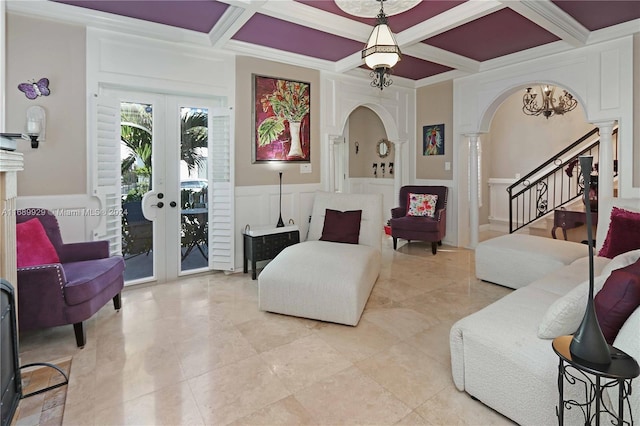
(136, 154)
(194, 188)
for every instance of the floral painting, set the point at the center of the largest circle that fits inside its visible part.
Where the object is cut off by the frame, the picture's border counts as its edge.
(433, 139)
(281, 120)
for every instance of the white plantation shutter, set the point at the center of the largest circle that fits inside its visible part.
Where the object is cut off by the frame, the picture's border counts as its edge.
(105, 169)
(221, 193)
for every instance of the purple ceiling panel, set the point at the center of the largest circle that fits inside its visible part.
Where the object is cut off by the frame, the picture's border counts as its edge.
(492, 36)
(278, 34)
(595, 15)
(196, 15)
(400, 22)
(414, 68)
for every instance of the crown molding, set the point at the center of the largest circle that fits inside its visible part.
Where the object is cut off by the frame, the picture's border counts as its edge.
(614, 32)
(268, 53)
(439, 78)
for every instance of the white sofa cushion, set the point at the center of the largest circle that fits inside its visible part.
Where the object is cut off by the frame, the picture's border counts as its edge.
(516, 260)
(565, 314)
(321, 280)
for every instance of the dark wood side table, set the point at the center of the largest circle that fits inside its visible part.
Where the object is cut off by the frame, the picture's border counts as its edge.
(265, 244)
(569, 219)
(594, 379)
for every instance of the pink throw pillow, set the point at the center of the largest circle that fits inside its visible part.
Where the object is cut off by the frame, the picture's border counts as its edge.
(33, 245)
(623, 234)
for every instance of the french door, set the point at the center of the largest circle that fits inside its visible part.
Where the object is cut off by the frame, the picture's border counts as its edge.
(177, 189)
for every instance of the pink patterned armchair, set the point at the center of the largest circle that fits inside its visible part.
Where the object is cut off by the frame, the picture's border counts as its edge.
(68, 291)
(420, 228)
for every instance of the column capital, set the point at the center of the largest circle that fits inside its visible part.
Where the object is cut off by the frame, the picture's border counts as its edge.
(605, 124)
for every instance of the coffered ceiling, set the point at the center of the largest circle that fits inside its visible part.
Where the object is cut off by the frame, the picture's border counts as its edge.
(439, 39)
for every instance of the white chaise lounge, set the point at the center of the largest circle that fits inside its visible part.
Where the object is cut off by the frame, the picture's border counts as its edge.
(325, 280)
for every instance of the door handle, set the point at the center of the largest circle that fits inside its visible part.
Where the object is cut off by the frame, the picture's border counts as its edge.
(159, 205)
(173, 204)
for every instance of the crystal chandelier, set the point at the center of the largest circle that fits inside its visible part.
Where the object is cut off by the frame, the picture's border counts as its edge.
(549, 104)
(381, 52)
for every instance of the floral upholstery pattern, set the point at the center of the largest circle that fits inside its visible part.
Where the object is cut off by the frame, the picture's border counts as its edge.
(422, 205)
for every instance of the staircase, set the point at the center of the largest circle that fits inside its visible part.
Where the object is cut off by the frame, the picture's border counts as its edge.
(555, 183)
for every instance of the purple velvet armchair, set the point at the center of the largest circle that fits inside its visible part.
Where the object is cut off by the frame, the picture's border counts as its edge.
(71, 291)
(420, 228)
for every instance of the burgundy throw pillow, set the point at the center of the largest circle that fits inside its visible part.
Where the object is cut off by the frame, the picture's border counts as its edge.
(33, 246)
(341, 227)
(623, 234)
(618, 299)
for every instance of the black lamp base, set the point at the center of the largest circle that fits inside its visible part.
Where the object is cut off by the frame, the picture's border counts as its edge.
(280, 222)
(589, 344)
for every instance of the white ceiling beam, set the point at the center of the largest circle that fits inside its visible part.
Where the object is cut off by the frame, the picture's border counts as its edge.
(230, 23)
(442, 57)
(270, 54)
(551, 18)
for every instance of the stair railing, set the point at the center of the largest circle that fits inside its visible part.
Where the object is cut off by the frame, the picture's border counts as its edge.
(553, 184)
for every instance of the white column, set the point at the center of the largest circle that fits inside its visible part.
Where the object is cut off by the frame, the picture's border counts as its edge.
(605, 163)
(474, 221)
(332, 165)
(397, 170)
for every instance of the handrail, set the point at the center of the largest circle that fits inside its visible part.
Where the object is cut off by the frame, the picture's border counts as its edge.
(553, 158)
(533, 200)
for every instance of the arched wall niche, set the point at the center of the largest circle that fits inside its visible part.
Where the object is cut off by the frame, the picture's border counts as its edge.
(387, 119)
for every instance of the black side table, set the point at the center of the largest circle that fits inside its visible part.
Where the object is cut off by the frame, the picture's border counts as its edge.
(595, 379)
(266, 243)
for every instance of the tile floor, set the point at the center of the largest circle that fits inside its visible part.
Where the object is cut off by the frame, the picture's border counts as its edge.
(198, 351)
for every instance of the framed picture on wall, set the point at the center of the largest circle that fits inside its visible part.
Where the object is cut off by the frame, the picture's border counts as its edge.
(281, 119)
(433, 139)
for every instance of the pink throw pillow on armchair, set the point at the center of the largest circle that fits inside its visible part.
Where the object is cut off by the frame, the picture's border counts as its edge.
(33, 246)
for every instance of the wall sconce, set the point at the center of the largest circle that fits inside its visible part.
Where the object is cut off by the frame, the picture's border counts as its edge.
(34, 128)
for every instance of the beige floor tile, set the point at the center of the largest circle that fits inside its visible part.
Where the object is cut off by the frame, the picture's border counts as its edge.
(287, 411)
(399, 321)
(172, 405)
(351, 398)
(277, 331)
(237, 390)
(226, 346)
(407, 373)
(413, 419)
(304, 362)
(357, 343)
(451, 406)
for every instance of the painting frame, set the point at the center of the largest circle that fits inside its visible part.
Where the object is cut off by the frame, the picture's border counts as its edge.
(281, 117)
(433, 139)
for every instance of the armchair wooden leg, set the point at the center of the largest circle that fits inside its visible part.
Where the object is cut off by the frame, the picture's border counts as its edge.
(395, 243)
(440, 242)
(117, 302)
(434, 247)
(81, 337)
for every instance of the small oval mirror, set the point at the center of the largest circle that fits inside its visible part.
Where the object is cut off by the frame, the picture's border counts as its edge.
(383, 148)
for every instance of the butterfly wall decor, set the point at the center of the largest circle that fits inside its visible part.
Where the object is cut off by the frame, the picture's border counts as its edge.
(34, 89)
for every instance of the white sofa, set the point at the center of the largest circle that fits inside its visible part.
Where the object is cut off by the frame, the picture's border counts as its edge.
(325, 280)
(498, 357)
